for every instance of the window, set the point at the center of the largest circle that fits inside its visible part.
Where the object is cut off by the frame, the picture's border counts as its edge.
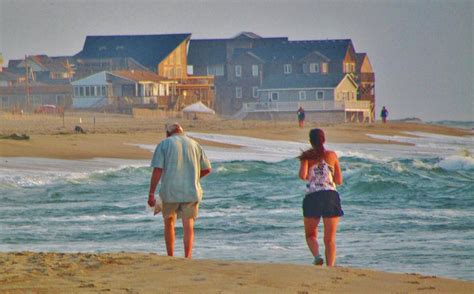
(324, 67)
(76, 91)
(255, 92)
(255, 70)
(88, 91)
(273, 96)
(215, 70)
(94, 91)
(81, 91)
(238, 92)
(302, 95)
(287, 68)
(238, 71)
(104, 91)
(319, 95)
(313, 67)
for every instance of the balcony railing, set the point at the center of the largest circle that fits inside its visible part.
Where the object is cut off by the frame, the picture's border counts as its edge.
(307, 105)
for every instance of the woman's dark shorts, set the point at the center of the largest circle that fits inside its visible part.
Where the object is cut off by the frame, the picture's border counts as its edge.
(322, 204)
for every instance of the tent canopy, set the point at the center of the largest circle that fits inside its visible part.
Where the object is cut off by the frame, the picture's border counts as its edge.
(198, 107)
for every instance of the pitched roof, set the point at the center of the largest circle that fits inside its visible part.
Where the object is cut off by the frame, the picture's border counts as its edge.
(138, 75)
(359, 60)
(207, 52)
(280, 53)
(148, 50)
(250, 35)
(46, 62)
(204, 52)
(298, 81)
(333, 49)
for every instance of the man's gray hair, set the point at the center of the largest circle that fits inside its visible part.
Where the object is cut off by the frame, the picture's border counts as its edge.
(174, 128)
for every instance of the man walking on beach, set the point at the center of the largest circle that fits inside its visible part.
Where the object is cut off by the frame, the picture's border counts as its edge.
(301, 117)
(384, 114)
(179, 162)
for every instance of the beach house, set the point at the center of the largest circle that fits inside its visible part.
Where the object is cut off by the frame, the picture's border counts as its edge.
(165, 55)
(248, 63)
(121, 90)
(43, 69)
(365, 78)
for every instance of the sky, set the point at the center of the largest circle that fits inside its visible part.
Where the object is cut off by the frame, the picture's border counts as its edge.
(421, 51)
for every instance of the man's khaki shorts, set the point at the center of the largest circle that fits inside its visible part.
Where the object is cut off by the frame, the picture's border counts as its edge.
(180, 210)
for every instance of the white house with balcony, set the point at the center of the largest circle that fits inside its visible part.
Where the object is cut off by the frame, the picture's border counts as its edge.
(325, 98)
(126, 87)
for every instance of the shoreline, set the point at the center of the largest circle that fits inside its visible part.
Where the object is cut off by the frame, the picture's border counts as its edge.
(130, 272)
(119, 136)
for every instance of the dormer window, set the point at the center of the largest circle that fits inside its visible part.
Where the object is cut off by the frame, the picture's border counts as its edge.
(287, 68)
(313, 67)
(324, 67)
(349, 67)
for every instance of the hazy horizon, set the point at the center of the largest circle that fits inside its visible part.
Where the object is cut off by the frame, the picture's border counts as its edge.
(421, 51)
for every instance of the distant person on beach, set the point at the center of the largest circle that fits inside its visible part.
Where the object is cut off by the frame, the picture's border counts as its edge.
(179, 162)
(301, 117)
(320, 167)
(384, 114)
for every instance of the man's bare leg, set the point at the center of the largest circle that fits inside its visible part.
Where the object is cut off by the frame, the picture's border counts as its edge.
(169, 235)
(188, 238)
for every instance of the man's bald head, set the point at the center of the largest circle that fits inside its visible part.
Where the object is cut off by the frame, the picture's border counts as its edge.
(173, 128)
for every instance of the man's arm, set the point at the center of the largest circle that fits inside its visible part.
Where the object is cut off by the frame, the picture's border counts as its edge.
(155, 179)
(204, 172)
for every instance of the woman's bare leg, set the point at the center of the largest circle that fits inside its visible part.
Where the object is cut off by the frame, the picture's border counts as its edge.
(311, 232)
(330, 228)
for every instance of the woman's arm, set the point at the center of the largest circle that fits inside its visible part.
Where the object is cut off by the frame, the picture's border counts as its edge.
(337, 171)
(303, 170)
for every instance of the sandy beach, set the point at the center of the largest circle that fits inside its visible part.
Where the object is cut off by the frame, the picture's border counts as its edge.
(27, 272)
(117, 136)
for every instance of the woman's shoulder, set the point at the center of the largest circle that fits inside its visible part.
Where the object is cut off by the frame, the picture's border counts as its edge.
(330, 156)
(330, 153)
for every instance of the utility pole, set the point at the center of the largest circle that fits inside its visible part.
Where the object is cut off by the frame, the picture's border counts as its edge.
(27, 84)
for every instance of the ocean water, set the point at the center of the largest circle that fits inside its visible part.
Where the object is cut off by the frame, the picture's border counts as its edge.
(407, 208)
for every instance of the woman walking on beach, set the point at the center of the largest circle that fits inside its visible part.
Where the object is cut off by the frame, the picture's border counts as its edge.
(320, 167)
